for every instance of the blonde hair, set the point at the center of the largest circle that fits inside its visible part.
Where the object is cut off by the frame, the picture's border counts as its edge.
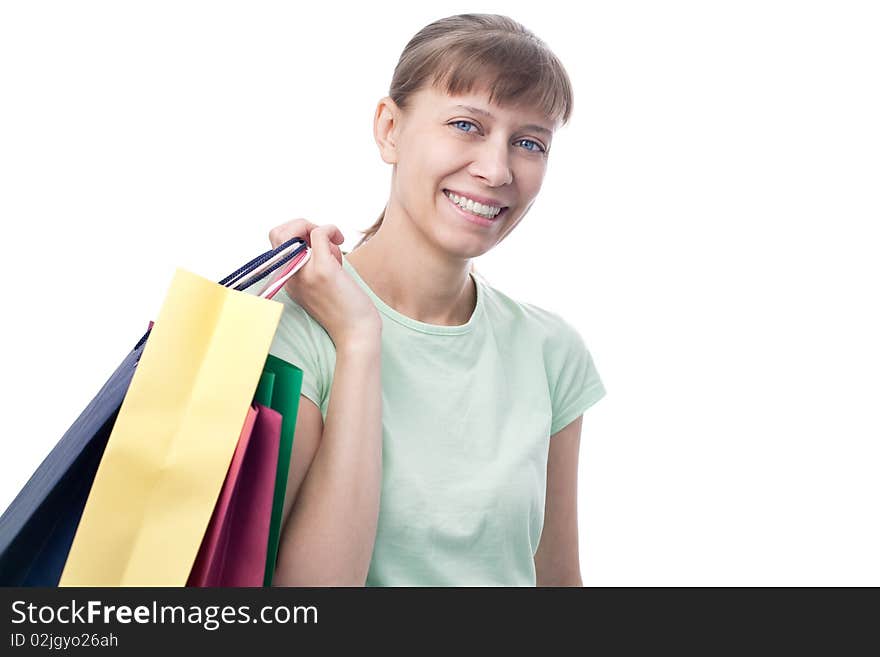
(467, 51)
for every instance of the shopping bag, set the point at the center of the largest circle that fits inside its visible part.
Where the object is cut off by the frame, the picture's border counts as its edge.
(173, 440)
(285, 399)
(233, 551)
(279, 388)
(38, 527)
(263, 395)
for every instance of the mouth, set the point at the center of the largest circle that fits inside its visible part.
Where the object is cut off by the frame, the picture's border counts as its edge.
(476, 218)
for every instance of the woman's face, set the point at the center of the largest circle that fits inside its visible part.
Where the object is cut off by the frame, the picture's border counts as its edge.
(464, 145)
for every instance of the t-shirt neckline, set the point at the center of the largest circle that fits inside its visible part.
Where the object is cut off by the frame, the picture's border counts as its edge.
(409, 322)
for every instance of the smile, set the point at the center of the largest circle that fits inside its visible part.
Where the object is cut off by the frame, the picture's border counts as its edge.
(473, 217)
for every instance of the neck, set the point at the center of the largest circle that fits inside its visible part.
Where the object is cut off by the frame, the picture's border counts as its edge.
(413, 278)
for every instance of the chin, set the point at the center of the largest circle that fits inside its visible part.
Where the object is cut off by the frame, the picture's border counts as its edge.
(465, 246)
(459, 240)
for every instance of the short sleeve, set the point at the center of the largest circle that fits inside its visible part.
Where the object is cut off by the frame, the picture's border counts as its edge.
(302, 342)
(574, 382)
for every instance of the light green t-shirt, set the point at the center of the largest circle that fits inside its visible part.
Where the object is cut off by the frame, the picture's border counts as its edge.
(467, 416)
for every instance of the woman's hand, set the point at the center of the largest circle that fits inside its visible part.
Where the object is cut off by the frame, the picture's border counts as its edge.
(324, 289)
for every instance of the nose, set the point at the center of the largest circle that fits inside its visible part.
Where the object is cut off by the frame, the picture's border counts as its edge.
(492, 163)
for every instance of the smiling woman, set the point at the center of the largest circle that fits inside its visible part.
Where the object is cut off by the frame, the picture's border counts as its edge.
(490, 57)
(439, 425)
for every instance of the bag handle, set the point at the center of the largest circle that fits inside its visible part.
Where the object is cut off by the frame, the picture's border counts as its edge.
(294, 266)
(264, 265)
(269, 261)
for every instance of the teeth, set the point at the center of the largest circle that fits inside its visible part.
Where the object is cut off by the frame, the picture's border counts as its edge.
(472, 206)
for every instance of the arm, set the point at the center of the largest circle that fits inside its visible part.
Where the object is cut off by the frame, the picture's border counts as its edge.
(557, 561)
(332, 503)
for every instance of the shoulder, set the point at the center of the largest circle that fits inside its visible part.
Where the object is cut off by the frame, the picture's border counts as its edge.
(542, 323)
(302, 341)
(573, 382)
(299, 336)
(293, 317)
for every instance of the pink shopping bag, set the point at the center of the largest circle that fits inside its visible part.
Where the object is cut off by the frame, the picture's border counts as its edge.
(233, 551)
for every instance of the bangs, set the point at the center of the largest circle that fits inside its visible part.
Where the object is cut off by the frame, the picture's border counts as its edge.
(515, 72)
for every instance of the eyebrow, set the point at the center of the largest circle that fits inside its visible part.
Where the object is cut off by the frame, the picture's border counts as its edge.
(482, 112)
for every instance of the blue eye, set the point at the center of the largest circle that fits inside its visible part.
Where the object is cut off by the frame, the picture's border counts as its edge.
(458, 122)
(540, 148)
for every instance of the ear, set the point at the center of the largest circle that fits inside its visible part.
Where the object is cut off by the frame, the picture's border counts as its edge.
(386, 126)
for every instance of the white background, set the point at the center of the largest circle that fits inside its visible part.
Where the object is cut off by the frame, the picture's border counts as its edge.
(707, 223)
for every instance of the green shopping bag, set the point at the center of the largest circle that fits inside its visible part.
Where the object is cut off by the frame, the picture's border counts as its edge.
(279, 389)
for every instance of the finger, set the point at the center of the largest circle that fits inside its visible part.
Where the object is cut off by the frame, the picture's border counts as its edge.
(290, 229)
(337, 253)
(321, 244)
(336, 239)
(333, 233)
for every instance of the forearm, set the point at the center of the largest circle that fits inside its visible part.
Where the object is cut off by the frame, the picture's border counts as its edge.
(332, 526)
(571, 579)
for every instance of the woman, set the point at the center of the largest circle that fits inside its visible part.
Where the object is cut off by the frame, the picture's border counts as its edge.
(439, 424)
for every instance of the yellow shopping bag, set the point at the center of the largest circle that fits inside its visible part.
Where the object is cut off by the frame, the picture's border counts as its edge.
(174, 437)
